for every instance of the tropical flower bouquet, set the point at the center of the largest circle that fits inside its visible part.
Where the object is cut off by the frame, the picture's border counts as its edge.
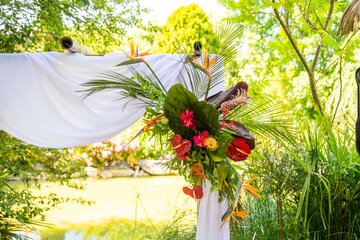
(206, 143)
(204, 132)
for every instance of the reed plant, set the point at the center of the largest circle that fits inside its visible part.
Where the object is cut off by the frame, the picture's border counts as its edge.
(311, 189)
(182, 227)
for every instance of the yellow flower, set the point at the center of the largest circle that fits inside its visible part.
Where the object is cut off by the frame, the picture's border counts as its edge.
(206, 64)
(242, 214)
(135, 53)
(211, 143)
(250, 189)
(153, 121)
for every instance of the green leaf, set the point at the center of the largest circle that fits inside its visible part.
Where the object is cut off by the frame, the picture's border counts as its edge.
(222, 171)
(177, 100)
(207, 117)
(215, 158)
(131, 61)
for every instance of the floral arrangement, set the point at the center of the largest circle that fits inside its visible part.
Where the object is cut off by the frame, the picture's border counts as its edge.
(204, 132)
(206, 143)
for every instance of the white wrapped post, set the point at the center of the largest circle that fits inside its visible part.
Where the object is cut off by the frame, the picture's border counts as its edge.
(209, 224)
(71, 46)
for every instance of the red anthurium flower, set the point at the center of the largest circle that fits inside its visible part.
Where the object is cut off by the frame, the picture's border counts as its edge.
(238, 150)
(182, 156)
(200, 140)
(181, 146)
(188, 118)
(196, 192)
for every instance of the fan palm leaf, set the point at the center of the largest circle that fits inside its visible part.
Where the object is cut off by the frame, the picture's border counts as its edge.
(266, 119)
(130, 88)
(200, 80)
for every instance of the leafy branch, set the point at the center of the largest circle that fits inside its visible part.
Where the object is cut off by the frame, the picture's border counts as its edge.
(309, 69)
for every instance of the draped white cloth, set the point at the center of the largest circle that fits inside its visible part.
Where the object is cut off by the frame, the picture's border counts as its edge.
(209, 225)
(41, 103)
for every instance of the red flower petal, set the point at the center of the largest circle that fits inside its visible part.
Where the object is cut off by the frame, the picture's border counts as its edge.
(188, 191)
(184, 147)
(182, 156)
(196, 192)
(238, 150)
(186, 114)
(188, 119)
(200, 140)
(176, 140)
(181, 146)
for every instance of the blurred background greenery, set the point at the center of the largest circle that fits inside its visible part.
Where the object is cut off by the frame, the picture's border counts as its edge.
(289, 53)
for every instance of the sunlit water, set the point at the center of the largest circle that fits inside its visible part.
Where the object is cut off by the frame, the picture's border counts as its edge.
(69, 235)
(120, 204)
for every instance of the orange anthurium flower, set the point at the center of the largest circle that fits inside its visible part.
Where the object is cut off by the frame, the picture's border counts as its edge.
(250, 189)
(135, 53)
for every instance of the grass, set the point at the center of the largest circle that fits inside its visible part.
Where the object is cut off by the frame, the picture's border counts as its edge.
(123, 208)
(131, 198)
(107, 229)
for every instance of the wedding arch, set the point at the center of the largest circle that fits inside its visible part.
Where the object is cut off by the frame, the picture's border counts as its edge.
(43, 103)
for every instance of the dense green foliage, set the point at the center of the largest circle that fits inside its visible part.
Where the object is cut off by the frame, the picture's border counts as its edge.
(312, 190)
(185, 26)
(293, 55)
(289, 52)
(38, 25)
(18, 205)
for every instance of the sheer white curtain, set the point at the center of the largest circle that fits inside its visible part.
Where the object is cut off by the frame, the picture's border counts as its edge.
(41, 103)
(209, 224)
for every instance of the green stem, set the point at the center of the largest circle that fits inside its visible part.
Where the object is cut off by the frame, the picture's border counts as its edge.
(158, 80)
(279, 207)
(208, 88)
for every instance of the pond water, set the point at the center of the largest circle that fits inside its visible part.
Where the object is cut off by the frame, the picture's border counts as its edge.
(123, 208)
(108, 229)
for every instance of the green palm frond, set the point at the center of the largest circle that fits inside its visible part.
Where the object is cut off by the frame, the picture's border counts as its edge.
(265, 118)
(130, 88)
(112, 80)
(195, 78)
(227, 37)
(191, 78)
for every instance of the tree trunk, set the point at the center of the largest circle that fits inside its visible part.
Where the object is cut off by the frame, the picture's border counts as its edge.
(279, 218)
(314, 92)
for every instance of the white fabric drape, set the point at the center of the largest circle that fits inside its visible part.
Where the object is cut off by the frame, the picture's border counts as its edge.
(40, 103)
(209, 225)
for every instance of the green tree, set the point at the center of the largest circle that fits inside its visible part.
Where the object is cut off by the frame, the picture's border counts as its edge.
(292, 53)
(37, 25)
(185, 26)
(19, 206)
(293, 45)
